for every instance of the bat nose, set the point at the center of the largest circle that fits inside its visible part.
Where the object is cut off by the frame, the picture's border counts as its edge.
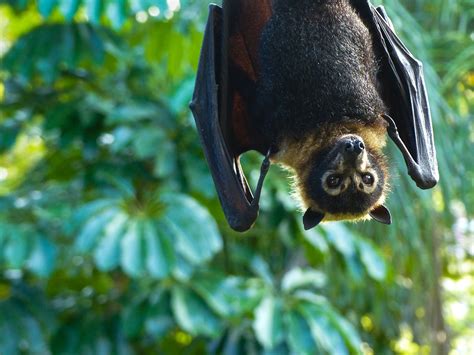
(354, 146)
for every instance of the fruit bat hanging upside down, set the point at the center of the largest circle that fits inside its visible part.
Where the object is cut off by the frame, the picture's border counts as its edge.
(314, 85)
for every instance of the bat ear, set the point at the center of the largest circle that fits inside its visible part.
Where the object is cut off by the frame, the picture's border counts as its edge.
(381, 214)
(312, 218)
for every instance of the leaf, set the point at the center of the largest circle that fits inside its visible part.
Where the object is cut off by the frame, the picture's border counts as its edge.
(183, 269)
(182, 96)
(92, 230)
(372, 260)
(356, 269)
(9, 131)
(132, 113)
(133, 319)
(92, 39)
(268, 323)
(255, 262)
(94, 10)
(132, 252)
(116, 12)
(122, 184)
(325, 335)
(107, 252)
(148, 143)
(8, 333)
(228, 296)
(192, 314)
(122, 137)
(196, 234)
(299, 335)
(341, 238)
(262, 269)
(45, 7)
(17, 249)
(42, 258)
(69, 8)
(298, 278)
(159, 318)
(347, 330)
(88, 210)
(316, 240)
(160, 257)
(165, 160)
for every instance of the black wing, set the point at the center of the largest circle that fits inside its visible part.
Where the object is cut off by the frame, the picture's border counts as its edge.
(404, 91)
(225, 83)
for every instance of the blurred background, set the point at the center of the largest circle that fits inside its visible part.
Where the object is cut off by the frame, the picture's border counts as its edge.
(112, 239)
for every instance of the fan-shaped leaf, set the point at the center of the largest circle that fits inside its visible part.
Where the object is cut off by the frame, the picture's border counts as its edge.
(297, 278)
(17, 248)
(299, 335)
(341, 238)
(229, 296)
(42, 258)
(69, 8)
(268, 323)
(117, 12)
(373, 261)
(160, 255)
(107, 252)
(45, 7)
(324, 333)
(8, 335)
(93, 228)
(94, 10)
(196, 234)
(192, 314)
(133, 251)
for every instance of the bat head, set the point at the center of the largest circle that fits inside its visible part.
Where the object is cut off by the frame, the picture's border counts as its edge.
(346, 180)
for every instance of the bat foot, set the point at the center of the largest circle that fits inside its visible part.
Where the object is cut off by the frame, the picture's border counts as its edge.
(392, 127)
(263, 172)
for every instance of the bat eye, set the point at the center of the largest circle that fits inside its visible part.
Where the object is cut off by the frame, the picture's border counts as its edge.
(368, 179)
(334, 181)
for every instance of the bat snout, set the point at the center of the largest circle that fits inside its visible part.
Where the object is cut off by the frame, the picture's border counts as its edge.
(352, 145)
(352, 148)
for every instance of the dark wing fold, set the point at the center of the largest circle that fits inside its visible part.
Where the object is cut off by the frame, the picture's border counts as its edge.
(221, 102)
(413, 119)
(404, 92)
(245, 19)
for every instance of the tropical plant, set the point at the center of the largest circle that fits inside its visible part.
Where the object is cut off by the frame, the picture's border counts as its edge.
(112, 239)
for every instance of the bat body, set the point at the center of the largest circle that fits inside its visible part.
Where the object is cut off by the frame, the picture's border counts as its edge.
(317, 66)
(317, 89)
(312, 85)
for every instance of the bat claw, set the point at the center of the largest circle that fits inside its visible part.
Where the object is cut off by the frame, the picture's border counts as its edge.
(266, 162)
(392, 127)
(263, 172)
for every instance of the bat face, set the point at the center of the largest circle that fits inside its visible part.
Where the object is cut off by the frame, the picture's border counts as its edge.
(346, 180)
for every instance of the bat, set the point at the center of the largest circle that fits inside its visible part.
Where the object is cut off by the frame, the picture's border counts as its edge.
(315, 86)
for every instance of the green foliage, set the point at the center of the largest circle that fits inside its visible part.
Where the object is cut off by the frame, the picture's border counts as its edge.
(112, 239)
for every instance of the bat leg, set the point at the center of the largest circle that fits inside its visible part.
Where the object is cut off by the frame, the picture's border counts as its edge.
(414, 169)
(393, 133)
(263, 173)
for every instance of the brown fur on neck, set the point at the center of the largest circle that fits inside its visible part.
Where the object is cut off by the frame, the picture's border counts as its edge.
(295, 153)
